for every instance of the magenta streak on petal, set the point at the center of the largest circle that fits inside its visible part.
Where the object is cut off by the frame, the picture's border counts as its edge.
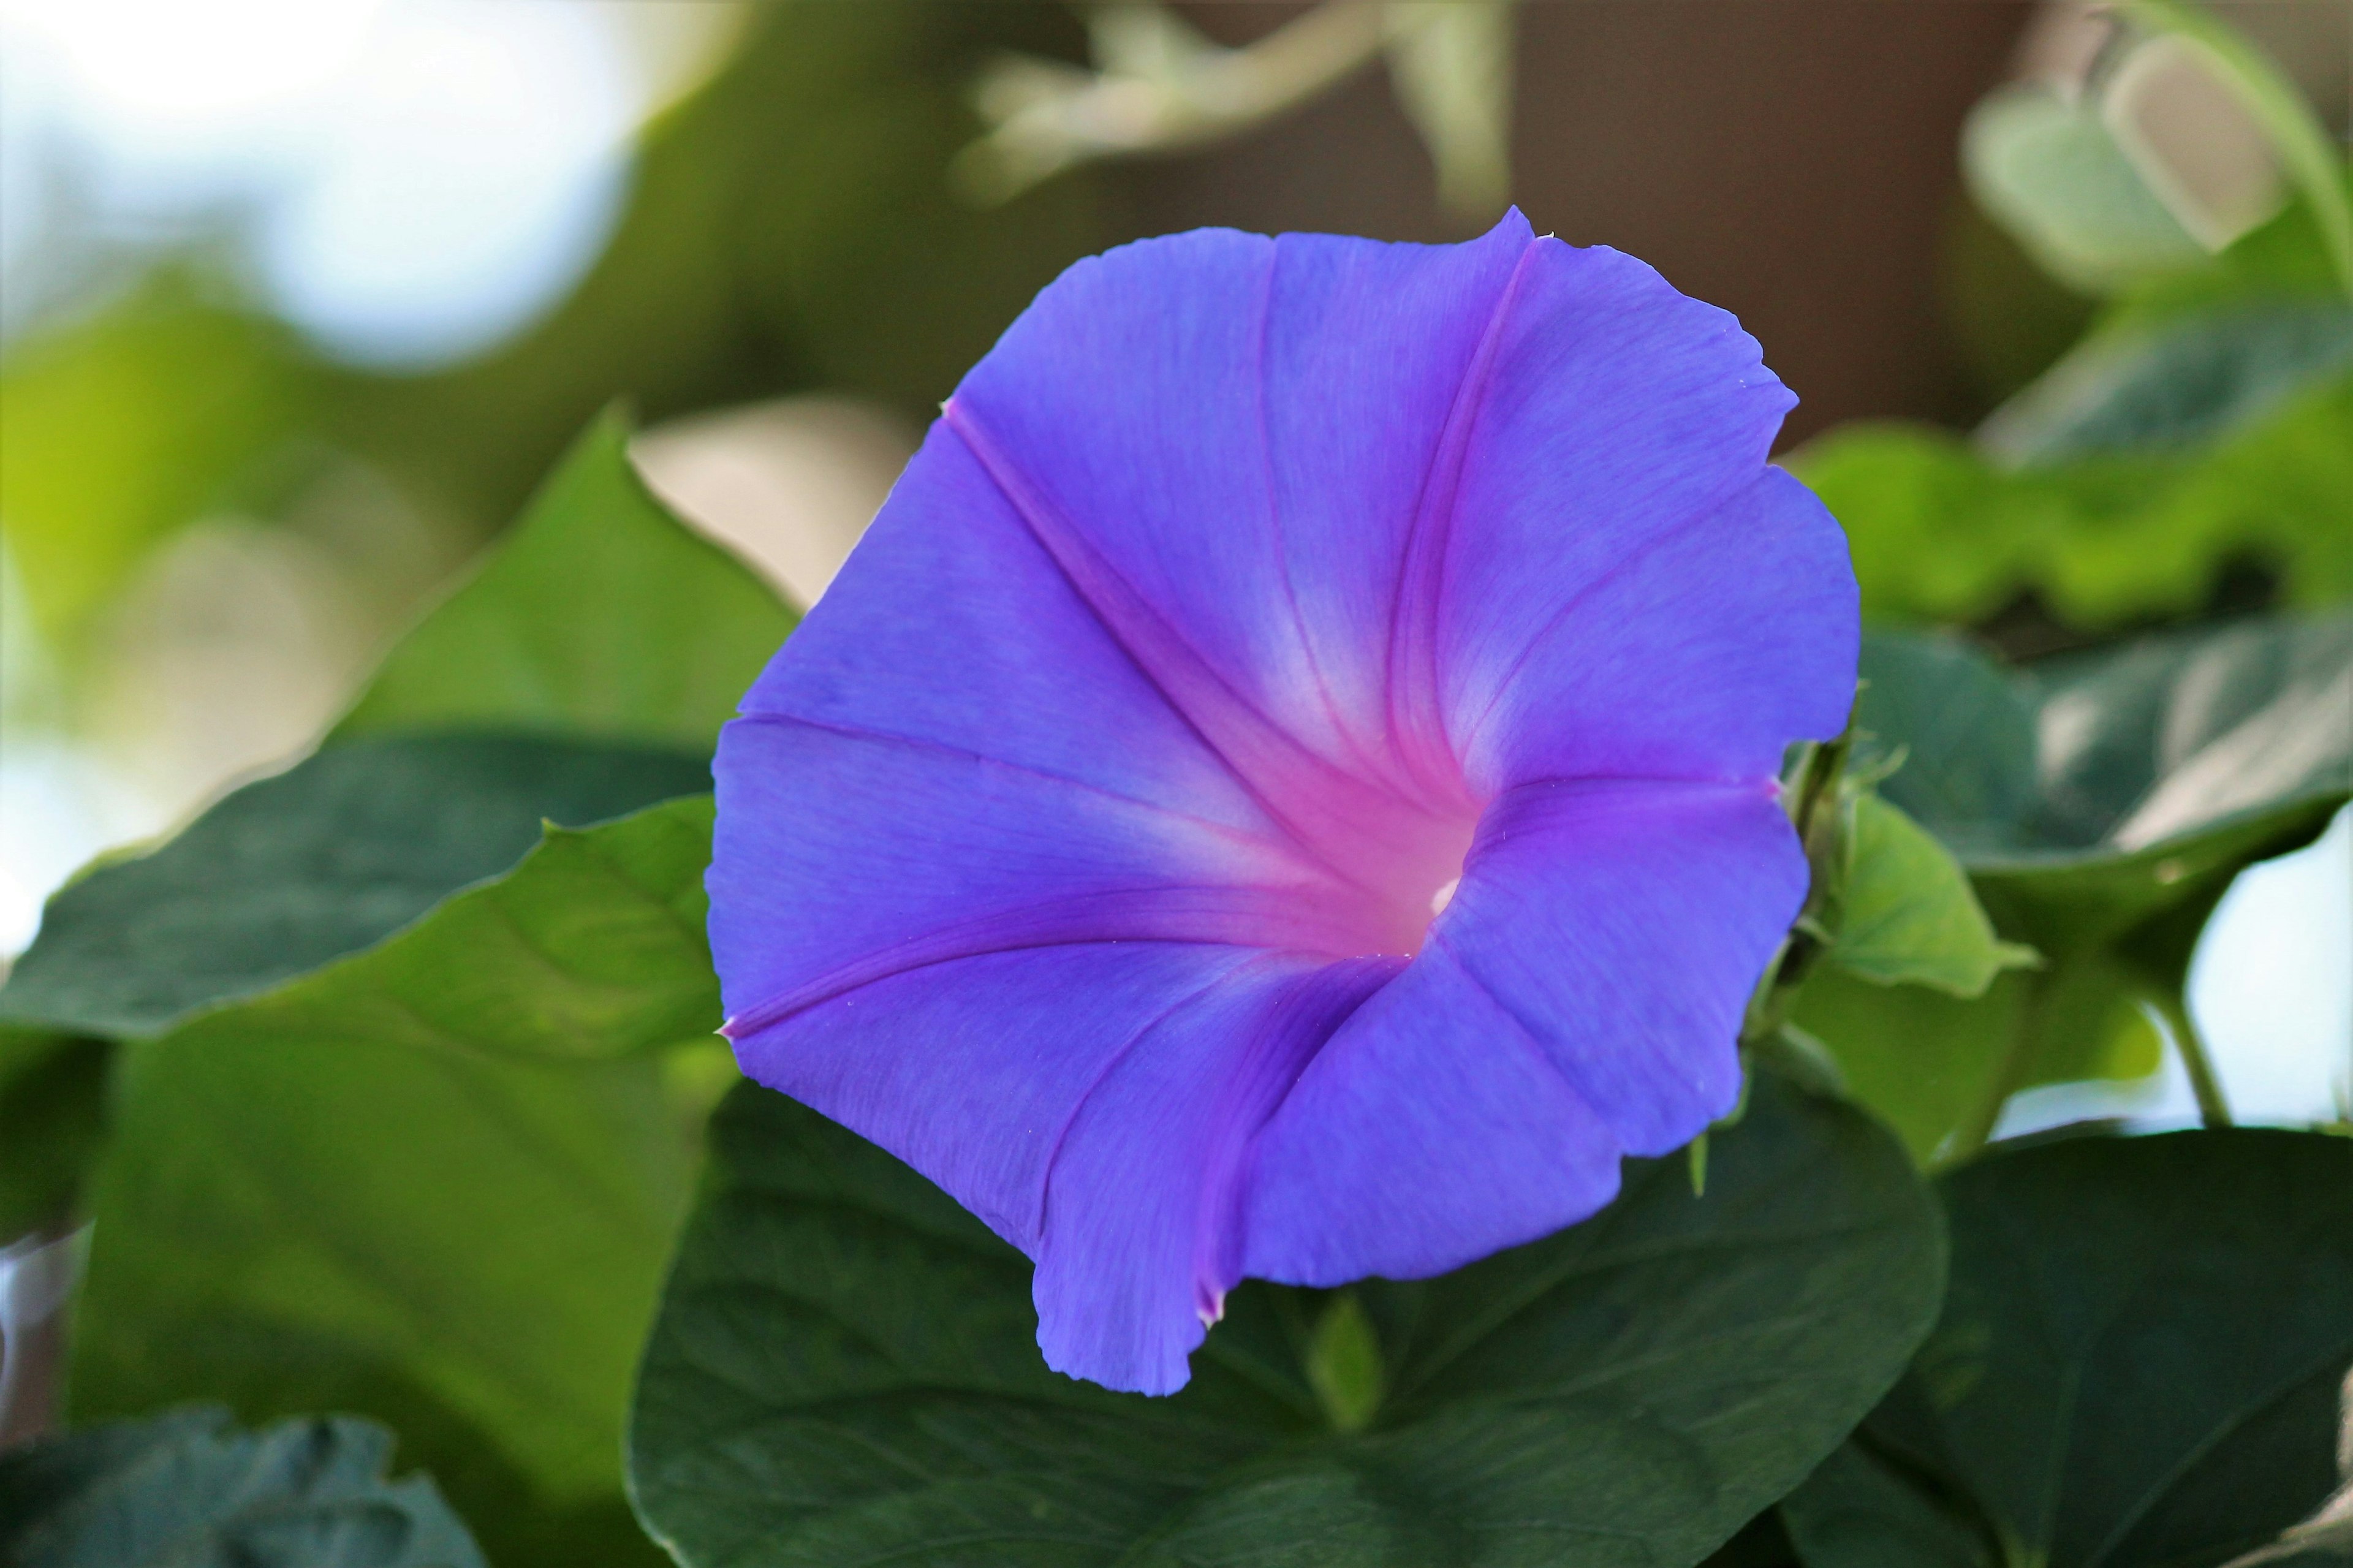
(1246, 960)
(1417, 729)
(1522, 1030)
(1395, 852)
(1250, 961)
(1220, 830)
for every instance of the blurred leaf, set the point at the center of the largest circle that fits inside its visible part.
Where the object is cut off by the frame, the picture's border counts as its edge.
(2102, 804)
(127, 425)
(2188, 381)
(2150, 750)
(2050, 170)
(844, 1370)
(2283, 260)
(765, 249)
(2140, 1351)
(1922, 1061)
(52, 1120)
(2314, 159)
(2011, 320)
(331, 856)
(189, 1490)
(600, 613)
(1906, 915)
(1940, 533)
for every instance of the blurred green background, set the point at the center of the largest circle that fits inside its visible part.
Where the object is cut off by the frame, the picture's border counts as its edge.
(299, 300)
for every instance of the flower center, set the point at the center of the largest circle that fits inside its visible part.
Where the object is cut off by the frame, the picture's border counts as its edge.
(1420, 871)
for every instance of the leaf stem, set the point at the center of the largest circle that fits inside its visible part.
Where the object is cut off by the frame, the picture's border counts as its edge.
(2214, 1109)
(2017, 1061)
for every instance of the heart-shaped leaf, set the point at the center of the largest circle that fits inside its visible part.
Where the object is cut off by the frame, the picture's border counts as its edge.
(1906, 915)
(600, 614)
(325, 858)
(844, 1370)
(2138, 1363)
(188, 1490)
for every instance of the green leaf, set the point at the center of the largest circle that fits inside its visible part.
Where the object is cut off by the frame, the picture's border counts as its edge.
(600, 613)
(2140, 1353)
(2050, 170)
(2185, 381)
(1942, 532)
(1906, 915)
(1865, 1508)
(844, 1370)
(2098, 790)
(592, 947)
(435, 1182)
(287, 874)
(188, 1490)
(52, 1122)
(2314, 159)
(2102, 804)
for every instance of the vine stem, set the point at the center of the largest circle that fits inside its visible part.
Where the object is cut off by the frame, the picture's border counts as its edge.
(2017, 1058)
(2214, 1109)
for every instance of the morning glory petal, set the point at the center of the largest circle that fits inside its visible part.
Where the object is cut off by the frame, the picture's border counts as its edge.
(1700, 655)
(1286, 786)
(1140, 1242)
(1579, 999)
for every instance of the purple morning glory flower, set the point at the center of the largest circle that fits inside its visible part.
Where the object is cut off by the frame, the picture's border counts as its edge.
(1285, 787)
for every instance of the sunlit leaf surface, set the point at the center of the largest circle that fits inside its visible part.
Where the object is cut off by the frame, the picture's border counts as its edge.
(600, 615)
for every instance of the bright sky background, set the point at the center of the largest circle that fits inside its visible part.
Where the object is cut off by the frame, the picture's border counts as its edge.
(424, 176)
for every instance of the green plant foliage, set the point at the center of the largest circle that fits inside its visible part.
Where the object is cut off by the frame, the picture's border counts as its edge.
(2049, 169)
(591, 948)
(844, 1371)
(435, 1182)
(1865, 1509)
(189, 1490)
(1941, 532)
(1906, 913)
(52, 1119)
(128, 424)
(2138, 1364)
(294, 871)
(600, 615)
(2285, 259)
(2186, 379)
(2084, 794)
(2314, 159)
(2101, 805)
